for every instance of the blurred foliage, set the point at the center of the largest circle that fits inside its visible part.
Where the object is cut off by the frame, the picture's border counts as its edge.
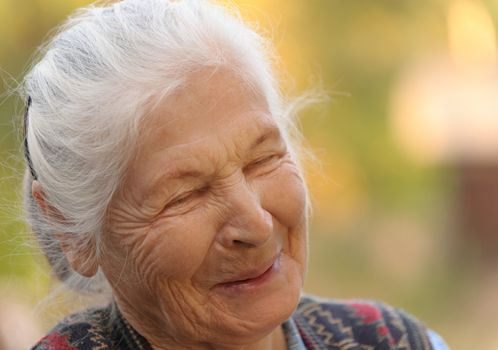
(383, 225)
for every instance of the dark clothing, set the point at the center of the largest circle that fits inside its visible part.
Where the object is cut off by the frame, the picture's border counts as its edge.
(317, 324)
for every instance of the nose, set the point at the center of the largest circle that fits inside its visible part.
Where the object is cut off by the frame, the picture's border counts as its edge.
(248, 224)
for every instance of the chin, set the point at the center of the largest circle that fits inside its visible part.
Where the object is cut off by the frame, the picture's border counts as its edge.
(260, 311)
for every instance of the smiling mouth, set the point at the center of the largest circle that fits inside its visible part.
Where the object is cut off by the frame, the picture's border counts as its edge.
(252, 278)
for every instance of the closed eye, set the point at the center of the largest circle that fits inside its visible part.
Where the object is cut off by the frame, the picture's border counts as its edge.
(180, 200)
(185, 198)
(263, 162)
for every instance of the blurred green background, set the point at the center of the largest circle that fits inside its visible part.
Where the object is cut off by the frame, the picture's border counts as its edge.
(405, 193)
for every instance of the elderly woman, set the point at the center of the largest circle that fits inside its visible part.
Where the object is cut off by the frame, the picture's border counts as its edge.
(161, 170)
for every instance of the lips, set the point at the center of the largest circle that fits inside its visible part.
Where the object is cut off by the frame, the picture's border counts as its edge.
(252, 276)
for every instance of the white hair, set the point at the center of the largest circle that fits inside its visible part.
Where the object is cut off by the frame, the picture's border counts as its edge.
(95, 82)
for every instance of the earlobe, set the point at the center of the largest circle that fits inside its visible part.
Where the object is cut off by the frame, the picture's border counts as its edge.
(79, 253)
(80, 256)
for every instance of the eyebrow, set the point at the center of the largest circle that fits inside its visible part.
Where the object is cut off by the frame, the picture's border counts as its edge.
(176, 174)
(271, 132)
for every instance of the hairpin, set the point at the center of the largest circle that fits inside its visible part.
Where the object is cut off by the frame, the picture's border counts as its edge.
(26, 148)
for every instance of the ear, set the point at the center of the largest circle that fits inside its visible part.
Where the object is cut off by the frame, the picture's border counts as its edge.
(79, 253)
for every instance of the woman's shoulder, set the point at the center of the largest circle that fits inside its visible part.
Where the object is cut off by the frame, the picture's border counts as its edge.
(345, 324)
(89, 329)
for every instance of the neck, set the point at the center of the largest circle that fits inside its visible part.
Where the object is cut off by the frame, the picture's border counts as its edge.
(273, 341)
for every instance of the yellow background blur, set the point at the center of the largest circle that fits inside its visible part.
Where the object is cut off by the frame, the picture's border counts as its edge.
(405, 192)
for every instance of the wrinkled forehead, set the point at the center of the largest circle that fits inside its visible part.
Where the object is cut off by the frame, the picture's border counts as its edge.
(209, 100)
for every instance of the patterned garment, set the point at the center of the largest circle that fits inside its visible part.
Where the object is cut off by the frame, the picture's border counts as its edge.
(315, 325)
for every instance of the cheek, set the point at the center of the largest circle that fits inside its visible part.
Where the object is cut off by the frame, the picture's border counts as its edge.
(177, 240)
(284, 196)
(153, 256)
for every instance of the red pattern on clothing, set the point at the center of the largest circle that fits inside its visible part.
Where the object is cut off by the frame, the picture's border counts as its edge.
(57, 341)
(367, 312)
(371, 314)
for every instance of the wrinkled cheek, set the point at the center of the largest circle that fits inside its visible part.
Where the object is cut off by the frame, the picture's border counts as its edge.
(177, 250)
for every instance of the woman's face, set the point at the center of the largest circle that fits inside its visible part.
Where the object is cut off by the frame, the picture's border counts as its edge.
(207, 238)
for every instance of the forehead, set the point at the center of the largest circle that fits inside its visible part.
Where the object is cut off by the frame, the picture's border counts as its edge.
(213, 109)
(208, 101)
